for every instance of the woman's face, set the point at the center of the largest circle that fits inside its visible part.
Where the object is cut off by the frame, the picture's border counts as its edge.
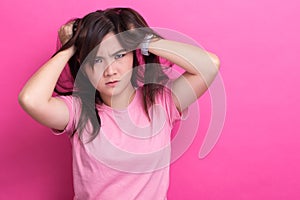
(112, 69)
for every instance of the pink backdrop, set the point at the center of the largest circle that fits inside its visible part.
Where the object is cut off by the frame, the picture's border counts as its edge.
(258, 153)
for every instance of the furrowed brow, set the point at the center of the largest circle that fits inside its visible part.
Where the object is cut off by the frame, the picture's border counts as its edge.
(120, 51)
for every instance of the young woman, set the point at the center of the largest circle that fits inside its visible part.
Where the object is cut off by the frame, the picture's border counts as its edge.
(121, 107)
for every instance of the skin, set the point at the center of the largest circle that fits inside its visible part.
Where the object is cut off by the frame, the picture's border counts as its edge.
(36, 98)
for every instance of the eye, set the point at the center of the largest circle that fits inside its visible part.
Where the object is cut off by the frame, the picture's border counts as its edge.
(98, 60)
(118, 56)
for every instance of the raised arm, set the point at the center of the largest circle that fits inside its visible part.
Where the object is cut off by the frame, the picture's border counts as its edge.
(36, 96)
(200, 67)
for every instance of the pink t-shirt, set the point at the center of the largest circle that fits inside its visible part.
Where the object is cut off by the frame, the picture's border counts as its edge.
(129, 159)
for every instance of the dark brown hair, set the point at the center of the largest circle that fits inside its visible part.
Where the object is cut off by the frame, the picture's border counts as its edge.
(88, 32)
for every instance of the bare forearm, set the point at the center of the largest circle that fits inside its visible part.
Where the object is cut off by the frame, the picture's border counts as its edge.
(40, 86)
(192, 59)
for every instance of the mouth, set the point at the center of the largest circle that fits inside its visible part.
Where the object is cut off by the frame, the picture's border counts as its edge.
(112, 83)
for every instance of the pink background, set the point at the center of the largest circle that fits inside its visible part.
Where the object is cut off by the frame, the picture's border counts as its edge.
(258, 154)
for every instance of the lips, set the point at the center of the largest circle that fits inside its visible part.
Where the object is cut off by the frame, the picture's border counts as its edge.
(112, 83)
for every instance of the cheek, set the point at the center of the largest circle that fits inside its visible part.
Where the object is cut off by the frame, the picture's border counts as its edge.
(128, 62)
(94, 75)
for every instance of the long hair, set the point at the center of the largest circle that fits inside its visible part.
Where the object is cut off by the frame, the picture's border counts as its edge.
(88, 32)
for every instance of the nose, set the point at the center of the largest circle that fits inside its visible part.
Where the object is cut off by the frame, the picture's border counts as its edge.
(110, 69)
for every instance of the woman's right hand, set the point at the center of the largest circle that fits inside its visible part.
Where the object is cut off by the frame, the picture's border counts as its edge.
(65, 32)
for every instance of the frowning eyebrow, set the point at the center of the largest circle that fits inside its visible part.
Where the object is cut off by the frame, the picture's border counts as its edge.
(112, 55)
(120, 51)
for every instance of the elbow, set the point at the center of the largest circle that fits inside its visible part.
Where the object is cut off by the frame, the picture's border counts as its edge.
(215, 59)
(217, 62)
(26, 102)
(23, 100)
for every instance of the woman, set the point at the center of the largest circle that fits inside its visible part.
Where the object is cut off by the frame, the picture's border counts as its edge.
(121, 108)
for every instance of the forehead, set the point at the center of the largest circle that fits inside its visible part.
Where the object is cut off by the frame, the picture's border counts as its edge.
(109, 45)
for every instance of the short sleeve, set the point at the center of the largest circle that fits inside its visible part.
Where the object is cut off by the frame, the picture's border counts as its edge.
(72, 104)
